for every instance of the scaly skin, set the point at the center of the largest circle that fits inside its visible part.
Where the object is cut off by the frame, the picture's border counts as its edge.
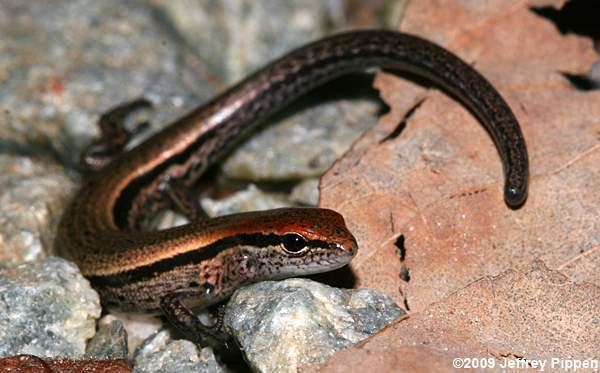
(203, 262)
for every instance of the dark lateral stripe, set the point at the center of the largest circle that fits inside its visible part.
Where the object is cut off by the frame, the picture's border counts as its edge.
(125, 200)
(194, 256)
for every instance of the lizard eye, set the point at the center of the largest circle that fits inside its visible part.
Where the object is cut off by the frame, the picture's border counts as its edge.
(293, 243)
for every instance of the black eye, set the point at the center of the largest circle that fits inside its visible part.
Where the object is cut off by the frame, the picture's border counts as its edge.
(293, 243)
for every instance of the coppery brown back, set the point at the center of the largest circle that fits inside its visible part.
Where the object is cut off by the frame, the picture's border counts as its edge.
(100, 230)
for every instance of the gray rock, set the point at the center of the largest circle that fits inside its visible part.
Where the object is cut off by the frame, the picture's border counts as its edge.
(250, 199)
(283, 325)
(306, 192)
(594, 74)
(139, 326)
(66, 62)
(237, 37)
(110, 342)
(32, 194)
(46, 309)
(161, 354)
(303, 145)
(61, 72)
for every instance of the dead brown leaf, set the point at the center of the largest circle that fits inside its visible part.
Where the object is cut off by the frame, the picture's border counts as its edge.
(536, 313)
(427, 206)
(30, 363)
(439, 183)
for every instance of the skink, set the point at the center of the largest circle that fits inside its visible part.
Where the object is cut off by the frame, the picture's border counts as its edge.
(201, 263)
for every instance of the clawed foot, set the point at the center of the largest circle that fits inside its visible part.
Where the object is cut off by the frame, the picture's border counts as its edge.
(114, 135)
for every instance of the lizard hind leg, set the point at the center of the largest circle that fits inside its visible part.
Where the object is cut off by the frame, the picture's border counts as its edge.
(114, 134)
(184, 201)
